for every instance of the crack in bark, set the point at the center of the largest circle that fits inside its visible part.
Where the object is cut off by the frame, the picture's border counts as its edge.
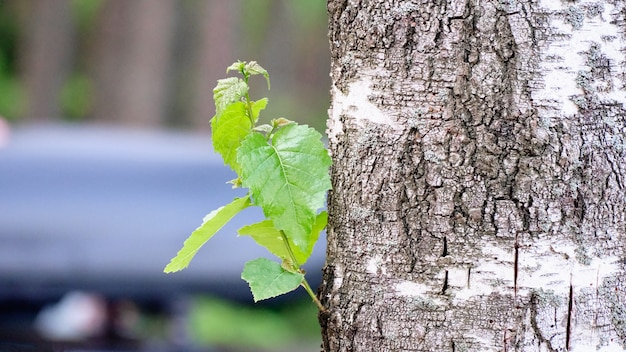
(504, 340)
(570, 304)
(445, 283)
(614, 171)
(515, 267)
(580, 206)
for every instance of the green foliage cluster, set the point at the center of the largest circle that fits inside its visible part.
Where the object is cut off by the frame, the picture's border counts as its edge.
(285, 167)
(76, 97)
(12, 99)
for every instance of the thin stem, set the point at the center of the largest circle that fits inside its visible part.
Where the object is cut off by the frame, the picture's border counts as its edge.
(317, 302)
(267, 138)
(247, 96)
(296, 266)
(249, 108)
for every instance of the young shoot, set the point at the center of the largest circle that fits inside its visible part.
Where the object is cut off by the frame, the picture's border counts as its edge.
(284, 166)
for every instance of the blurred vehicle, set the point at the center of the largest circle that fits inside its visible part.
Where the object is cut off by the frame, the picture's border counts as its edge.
(101, 211)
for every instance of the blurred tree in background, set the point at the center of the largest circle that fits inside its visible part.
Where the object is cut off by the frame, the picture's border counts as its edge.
(148, 63)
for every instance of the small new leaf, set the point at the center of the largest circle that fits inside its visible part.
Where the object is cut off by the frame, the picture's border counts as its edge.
(264, 128)
(280, 122)
(212, 223)
(253, 68)
(228, 91)
(269, 279)
(236, 66)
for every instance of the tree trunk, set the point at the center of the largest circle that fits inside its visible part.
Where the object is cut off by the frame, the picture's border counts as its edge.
(215, 51)
(132, 63)
(479, 176)
(45, 55)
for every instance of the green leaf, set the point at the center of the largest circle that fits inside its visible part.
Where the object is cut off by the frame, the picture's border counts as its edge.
(228, 91)
(214, 221)
(253, 68)
(229, 128)
(268, 279)
(320, 224)
(288, 178)
(257, 106)
(236, 66)
(265, 234)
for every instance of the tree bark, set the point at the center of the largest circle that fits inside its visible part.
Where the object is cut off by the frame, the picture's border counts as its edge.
(479, 174)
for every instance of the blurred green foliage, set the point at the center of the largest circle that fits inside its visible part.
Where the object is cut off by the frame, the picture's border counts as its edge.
(76, 97)
(255, 16)
(292, 326)
(308, 13)
(12, 99)
(84, 13)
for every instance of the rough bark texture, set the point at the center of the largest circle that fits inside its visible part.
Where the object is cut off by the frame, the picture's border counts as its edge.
(479, 176)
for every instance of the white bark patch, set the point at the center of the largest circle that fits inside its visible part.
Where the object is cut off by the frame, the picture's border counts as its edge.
(337, 283)
(375, 266)
(554, 267)
(591, 345)
(563, 60)
(550, 267)
(411, 289)
(457, 277)
(494, 274)
(334, 126)
(357, 105)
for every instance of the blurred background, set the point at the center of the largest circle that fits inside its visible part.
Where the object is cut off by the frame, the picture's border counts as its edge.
(146, 63)
(106, 166)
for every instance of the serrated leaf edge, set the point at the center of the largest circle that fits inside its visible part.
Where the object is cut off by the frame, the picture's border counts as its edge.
(255, 296)
(182, 260)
